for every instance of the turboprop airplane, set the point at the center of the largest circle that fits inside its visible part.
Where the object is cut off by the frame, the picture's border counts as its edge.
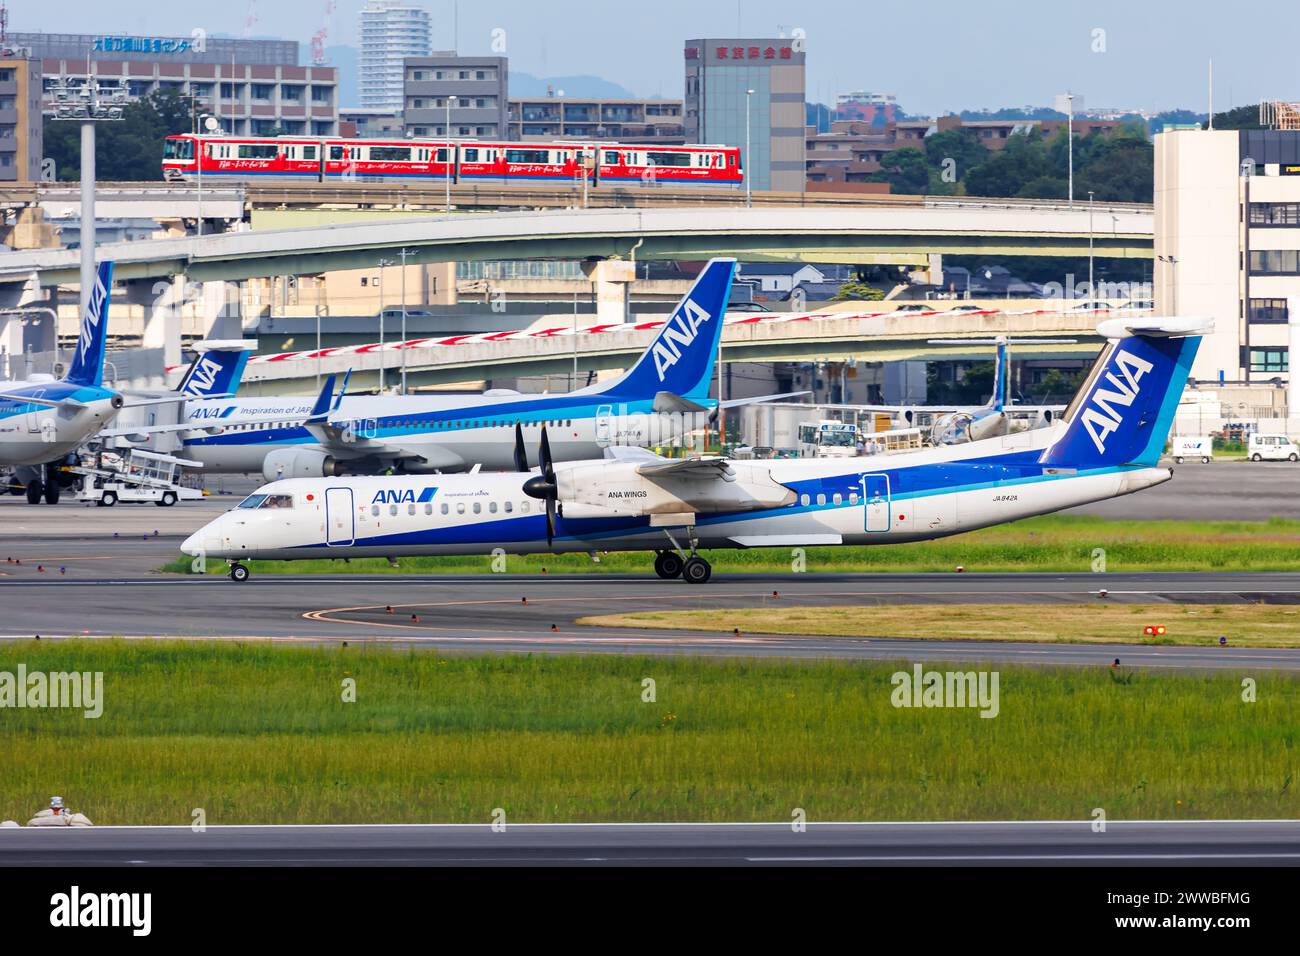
(1107, 444)
(654, 402)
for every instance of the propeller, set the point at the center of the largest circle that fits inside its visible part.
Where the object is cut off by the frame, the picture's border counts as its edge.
(543, 486)
(521, 456)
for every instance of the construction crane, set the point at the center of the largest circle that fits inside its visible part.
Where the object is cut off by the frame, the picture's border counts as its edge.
(1276, 114)
(318, 38)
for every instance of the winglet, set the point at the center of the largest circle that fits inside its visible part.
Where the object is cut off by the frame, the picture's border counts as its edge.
(320, 411)
(342, 391)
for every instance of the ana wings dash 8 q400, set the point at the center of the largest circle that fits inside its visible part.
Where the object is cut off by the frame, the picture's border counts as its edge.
(1107, 444)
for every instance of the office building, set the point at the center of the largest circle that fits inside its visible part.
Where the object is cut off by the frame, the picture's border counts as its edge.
(473, 87)
(391, 31)
(20, 119)
(719, 106)
(651, 122)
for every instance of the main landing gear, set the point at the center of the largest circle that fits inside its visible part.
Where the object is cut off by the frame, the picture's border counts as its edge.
(238, 572)
(671, 564)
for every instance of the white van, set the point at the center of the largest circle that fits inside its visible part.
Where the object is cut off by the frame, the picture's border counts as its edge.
(1272, 448)
(1202, 448)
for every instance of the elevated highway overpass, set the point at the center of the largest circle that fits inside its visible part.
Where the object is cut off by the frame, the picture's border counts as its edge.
(768, 337)
(903, 235)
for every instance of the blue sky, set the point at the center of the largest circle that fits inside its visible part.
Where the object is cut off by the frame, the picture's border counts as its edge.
(936, 55)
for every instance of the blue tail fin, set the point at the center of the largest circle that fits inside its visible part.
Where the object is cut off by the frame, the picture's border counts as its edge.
(324, 401)
(88, 361)
(680, 359)
(218, 371)
(1123, 413)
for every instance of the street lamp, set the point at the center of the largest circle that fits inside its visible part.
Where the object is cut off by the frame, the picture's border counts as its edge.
(211, 124)
(1173, 281)
(383, 359)
(1069, 143)
(1092, 289)
(404, 254)
(748, 164)
(89, 104)
(449, 101)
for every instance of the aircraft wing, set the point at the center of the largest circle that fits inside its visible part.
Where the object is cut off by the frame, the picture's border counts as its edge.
(687, 468)
(216, 427)
(44, 402)
(759, 399)
(169, 400)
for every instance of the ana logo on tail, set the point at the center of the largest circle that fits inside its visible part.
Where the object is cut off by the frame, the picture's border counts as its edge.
(681, 331)
(1103, 419)
(94, 312)
(204, 378)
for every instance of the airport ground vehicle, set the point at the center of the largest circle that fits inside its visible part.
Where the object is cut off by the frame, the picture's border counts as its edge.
(635, 500)
(308, 159)
(1263, 447)
(1201, 447)
(828, 439)
(138, 476)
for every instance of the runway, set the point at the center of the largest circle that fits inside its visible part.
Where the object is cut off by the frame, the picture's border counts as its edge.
(1035, 843)
(489, 613)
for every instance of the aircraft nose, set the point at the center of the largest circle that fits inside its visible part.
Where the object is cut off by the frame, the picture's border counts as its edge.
(190, 545)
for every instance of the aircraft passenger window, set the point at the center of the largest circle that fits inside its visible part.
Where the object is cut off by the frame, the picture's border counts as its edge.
(853, 497)
(478, 507)
(804, 500)
(524, 508)
(492, 507)
(445, 509)
(374, 510)
(392, 510)
(837, 498)
(460, 507)
(509, 506)
(410, 509)
(428, 508)
(821, 499)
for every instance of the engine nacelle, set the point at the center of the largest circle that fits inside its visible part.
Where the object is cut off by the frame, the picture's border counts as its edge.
(299, 463)
(621, 488)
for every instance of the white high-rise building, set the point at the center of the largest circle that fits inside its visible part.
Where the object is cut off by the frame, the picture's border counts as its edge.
(390, 30)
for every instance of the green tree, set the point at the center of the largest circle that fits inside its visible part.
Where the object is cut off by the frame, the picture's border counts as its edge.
(905, 170)
(1243, 117)
(958, 149)
(1021, 161)
(129, 150)
(859, 291)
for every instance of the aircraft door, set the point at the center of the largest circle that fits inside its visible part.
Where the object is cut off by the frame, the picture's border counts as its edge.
(604, 425)
(875, 502)
(34, 416)
(340, 528)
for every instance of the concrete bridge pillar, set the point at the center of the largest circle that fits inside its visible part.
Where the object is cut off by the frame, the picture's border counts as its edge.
(162, 300)
(28, 323)
(222, 309)
(611, 280)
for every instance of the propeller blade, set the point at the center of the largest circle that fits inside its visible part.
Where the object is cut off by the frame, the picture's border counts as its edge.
(548, 468)
(521, 455)
(550, 521)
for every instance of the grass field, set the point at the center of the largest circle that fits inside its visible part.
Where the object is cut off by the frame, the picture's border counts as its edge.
(259, 733)
(1049, 543)
(1257, 625)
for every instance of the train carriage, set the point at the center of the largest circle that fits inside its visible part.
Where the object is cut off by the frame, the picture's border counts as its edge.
(330, 160)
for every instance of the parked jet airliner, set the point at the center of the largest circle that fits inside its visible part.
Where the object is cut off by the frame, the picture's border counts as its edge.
(1107, 444)
(655, 401)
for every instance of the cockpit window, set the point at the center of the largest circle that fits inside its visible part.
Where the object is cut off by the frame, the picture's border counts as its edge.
(267, 501)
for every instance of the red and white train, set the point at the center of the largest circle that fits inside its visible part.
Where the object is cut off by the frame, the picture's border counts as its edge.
(374, 160)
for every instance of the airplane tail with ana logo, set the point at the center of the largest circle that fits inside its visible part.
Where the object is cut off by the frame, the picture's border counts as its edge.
(1123, 413)
(88, 360)
(680, 360)
(217, 371)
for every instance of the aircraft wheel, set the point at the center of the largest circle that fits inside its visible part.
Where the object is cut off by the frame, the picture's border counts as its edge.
(668, 564)
(52, 492)
(697, 570)
(238, 573)
(35, 489)
(108, 499)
